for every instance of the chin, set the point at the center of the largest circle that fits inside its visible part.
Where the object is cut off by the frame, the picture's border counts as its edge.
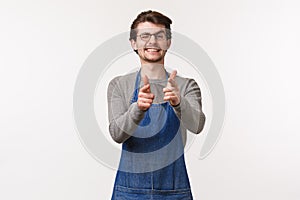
(153, 60)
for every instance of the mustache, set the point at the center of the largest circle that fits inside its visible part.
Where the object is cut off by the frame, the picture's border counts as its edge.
(152, 47)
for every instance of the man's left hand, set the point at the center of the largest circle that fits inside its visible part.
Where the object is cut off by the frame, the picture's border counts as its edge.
(172, 93)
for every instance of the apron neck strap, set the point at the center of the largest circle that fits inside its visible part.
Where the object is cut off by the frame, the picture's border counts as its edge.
(137, 85)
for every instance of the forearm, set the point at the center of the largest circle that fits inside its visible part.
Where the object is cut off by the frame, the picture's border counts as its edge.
(123, 116)
(189, 110)
(191, 116)
(122, 126)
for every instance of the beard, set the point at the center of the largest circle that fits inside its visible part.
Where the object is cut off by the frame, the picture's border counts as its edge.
(152, 59)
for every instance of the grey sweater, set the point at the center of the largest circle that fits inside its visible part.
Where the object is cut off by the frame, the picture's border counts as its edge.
(124, 117)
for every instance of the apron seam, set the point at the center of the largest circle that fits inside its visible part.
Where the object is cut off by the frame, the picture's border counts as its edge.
(150, 191)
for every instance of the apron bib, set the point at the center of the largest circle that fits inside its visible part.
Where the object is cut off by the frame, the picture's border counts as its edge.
(152, 162)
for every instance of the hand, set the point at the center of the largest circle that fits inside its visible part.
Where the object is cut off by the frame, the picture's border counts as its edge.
(145, 97)
(172, 93)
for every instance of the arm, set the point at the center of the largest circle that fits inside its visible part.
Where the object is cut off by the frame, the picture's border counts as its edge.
(186, 101)
(123, 119)
(189, 109)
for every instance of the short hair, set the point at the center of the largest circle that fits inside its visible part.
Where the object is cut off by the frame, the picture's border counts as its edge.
(153, 17)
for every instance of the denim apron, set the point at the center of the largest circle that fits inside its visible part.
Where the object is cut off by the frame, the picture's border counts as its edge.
(152, 162)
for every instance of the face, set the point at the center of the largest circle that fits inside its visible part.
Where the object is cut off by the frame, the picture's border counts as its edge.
(151, 42)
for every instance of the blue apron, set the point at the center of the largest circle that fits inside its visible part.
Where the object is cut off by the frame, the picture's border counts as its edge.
(152, 162)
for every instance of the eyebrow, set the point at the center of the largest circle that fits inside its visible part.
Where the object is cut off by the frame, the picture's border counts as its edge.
(161, 31)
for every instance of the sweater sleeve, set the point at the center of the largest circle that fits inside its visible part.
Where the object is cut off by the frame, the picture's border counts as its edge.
(123, 118)
(189, 111)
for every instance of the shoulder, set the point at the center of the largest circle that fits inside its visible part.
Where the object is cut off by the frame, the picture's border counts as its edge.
(123, 80)
(184, 82)
(187, 86)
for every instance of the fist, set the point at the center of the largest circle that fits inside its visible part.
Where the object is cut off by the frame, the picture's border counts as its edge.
(171, 91)
(145, 97)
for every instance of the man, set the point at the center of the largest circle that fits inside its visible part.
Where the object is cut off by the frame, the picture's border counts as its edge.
(149, 113)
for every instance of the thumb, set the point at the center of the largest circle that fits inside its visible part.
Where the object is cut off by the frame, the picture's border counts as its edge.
(145, 80)
(173, 74)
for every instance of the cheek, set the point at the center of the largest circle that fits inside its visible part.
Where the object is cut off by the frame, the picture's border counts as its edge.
(164, 46)
(140, 51)
(140, 45)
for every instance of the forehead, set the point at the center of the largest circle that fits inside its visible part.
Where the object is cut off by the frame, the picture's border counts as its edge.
(149, 27)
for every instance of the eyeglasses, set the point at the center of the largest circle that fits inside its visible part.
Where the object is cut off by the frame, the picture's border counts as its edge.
(160, 36)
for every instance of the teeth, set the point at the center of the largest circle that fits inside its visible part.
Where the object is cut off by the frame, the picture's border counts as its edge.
(153, 50)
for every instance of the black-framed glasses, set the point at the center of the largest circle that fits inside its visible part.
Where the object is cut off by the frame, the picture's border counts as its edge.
(160, 36)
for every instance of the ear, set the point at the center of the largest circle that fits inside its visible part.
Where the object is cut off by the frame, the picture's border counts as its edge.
(133, 44)
(168, 43)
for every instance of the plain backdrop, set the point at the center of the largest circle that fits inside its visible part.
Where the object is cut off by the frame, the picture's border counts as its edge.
(254, 44)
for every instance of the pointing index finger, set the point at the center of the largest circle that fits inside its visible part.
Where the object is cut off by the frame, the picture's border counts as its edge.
(145, 80)
(173, 74)
(171, 80)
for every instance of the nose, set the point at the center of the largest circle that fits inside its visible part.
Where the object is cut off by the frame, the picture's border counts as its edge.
(152, 39)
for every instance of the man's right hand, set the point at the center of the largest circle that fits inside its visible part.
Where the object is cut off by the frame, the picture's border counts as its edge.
(145, 97)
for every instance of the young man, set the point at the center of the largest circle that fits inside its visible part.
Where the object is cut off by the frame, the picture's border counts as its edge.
(149, 113)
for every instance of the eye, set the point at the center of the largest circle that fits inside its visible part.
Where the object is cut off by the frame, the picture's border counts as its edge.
(160, 36)
(145, 36)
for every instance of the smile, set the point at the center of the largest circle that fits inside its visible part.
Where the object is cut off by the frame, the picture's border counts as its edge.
(152, 50)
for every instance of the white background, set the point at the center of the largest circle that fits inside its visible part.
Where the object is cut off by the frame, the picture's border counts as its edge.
(253, 43)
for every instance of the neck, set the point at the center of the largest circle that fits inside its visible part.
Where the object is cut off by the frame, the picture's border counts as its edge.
(153, 70)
